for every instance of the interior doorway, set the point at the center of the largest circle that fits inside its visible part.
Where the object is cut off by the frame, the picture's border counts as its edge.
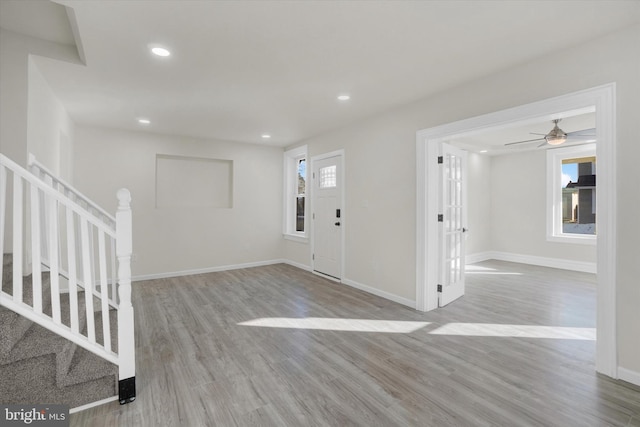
(602, 101)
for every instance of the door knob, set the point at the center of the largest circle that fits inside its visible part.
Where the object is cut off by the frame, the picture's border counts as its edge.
(337, 223)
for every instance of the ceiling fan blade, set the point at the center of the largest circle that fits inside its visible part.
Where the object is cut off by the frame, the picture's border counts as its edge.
(536, 133)
(583, 138)
(522, 142)
(542, 145)
(583, 132)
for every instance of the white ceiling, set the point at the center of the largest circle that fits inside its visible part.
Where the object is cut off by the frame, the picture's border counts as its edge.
(36, 18)
(239, 69)
(492, 142)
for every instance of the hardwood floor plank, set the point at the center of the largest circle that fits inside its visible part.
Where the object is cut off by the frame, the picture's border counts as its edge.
(278, 346)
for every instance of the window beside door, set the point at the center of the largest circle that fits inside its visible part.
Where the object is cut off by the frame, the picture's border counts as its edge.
(295, 192)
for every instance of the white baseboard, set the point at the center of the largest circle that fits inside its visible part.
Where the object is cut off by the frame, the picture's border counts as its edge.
(477, 257)
(204, 270)
(296, 264)
(348, 282)
(93, 404)
(629, 376)
(379, 293)
(564, 264)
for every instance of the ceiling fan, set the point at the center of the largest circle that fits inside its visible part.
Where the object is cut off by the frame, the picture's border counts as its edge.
(557, 136)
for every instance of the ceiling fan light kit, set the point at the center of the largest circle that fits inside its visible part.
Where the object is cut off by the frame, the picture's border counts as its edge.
(556, 140)
(556, 136)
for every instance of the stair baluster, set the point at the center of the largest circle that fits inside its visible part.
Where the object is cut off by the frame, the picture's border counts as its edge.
(17, 238)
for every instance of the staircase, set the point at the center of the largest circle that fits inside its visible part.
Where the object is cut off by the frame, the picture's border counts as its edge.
(62, 324)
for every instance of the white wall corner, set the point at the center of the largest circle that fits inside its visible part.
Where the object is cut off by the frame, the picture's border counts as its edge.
(629, 376)
(478, 257)
(297, 265)
(377, 292)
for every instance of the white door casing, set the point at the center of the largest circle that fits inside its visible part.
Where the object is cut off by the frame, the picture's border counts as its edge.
(602, 100)
(328, 216)
(453, 208)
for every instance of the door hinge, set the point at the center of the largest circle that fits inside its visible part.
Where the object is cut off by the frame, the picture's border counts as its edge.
(313, 257)
(313, 216)
(440, 217)
(440, 160)
(439, 288)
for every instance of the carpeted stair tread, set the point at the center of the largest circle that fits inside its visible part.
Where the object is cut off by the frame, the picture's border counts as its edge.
(86, 367)
(34, 380)
(36, 342)
(37, 365)
(12, 325)
(72, 355)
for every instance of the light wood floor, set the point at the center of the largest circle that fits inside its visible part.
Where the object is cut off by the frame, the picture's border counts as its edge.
(488, 359)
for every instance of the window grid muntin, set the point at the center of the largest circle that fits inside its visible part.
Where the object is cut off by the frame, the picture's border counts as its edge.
(328, 177)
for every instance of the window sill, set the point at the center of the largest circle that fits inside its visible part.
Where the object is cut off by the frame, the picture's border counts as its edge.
(578, 240)
(296, 238)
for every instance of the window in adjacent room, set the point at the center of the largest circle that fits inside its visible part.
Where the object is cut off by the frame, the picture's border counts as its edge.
(571, 187)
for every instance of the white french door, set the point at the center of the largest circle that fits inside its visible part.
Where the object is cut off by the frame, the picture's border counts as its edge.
(327, 216)
(452, 223)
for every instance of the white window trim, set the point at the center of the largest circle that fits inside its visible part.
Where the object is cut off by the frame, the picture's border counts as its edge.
(554, 194)
(290, 192)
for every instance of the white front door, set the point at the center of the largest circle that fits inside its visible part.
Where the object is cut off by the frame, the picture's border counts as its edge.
(453, 225)
(327, 216)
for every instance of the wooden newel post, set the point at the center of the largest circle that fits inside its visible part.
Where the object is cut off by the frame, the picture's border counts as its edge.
(126, 341)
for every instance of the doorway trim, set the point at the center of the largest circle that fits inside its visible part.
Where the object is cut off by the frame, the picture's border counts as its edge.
(601, 99)
(343, 212)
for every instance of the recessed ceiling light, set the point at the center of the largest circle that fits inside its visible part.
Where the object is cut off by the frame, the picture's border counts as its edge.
(144, 121)
(343, 97)
(160, 51)
(483, 151)
(266, 136)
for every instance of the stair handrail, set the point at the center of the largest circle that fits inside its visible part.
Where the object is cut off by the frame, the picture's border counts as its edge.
(68, 190)
(52, 192)
(118, 229)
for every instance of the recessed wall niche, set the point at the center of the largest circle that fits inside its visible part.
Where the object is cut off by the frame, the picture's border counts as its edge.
(193, 182)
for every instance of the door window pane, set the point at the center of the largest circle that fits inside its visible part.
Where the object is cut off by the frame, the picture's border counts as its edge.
(328, 177)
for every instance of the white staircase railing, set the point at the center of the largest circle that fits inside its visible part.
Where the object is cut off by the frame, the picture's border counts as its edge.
(59, 231)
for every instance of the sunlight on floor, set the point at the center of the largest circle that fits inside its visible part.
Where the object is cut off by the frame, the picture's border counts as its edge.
(515, 331)
(333, 324)
(407, 327)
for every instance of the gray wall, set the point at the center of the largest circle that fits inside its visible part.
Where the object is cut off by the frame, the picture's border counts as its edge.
(169, 240)
(31, 118)
(479, 204)
(519, 209)
(381, 167)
